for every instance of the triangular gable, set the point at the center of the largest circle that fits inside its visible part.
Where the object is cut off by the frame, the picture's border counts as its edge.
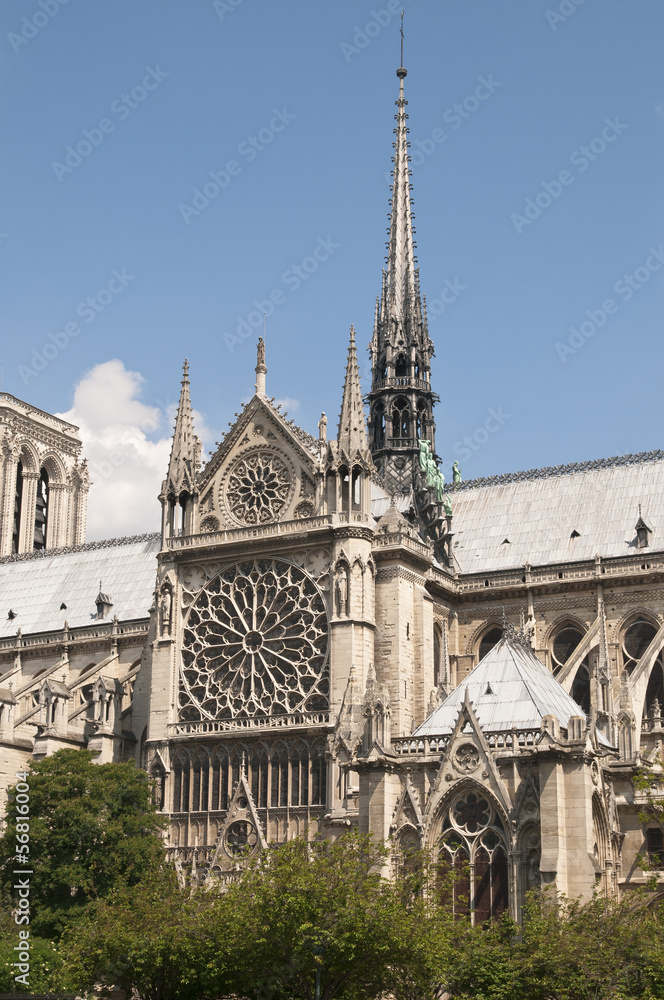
(242, 832)
(407, 811)
(260, 411)
(467, 757)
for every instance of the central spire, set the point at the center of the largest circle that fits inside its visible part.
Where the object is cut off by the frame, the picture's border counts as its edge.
(401, 277)
(401, 399)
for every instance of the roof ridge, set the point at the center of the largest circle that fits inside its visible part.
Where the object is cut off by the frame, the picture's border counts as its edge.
(103, 543)
(552, 471)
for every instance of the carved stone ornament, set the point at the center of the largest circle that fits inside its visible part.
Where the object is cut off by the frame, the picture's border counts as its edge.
(255, 643)
(466, 758)
(258, 487)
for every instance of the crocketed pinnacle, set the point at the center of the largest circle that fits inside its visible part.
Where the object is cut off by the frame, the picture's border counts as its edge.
(352, 435)
(182, 464)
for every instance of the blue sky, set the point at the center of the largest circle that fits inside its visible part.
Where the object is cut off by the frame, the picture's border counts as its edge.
(170, 93)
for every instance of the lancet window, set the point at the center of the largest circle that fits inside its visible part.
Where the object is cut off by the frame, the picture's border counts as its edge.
(400, 419)
(286, 775)
(41, 511)
(472, 857)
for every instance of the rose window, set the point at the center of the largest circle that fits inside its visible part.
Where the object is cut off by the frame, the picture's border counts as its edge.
(240, 836)
(472, 812)
(255, 644)
(259, 487)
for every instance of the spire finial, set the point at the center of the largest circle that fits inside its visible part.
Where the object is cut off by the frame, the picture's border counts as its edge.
(185, 371)
(402, 14)
(261, 368)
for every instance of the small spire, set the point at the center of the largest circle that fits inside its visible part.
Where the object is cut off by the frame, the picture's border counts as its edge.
(261, 369)
(352, 435)
(184, 450)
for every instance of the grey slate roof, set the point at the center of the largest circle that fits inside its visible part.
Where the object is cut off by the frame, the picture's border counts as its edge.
(537, 511)
(34, 587)
(523, 691)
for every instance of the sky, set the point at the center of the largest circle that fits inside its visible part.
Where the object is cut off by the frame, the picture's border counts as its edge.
(169, 169)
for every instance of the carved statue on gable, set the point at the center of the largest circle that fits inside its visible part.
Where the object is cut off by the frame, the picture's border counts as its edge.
(260, 360)
(322, 427)
(456, 472)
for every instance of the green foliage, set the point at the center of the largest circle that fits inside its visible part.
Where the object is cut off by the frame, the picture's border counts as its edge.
(152, 938)
(92, 828)
(324, 908)
(567, 950)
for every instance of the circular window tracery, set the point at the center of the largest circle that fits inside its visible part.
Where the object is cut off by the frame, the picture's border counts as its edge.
(258, 487)
(255, 643)
(471, 812)
(564, 644)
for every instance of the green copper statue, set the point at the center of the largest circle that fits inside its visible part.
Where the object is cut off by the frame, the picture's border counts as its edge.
(424, 453)
(456, 473)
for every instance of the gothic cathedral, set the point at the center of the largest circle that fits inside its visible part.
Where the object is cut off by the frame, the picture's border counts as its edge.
(337, 639)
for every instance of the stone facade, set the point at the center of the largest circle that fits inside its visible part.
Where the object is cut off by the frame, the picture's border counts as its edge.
(320, 638)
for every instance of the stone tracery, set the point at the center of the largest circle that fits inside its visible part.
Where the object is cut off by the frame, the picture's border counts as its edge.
(255, 643)
(258, 488)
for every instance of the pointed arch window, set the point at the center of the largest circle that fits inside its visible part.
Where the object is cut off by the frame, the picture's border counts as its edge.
(489, 639)
(636, 638)
(318, 777)
(258, 767)
(472, 858)
(422, 420)
(581, 687)
(18, 503)
(41, 511)
(401, 366)
(400, 419)
(565, 641)
(279, 784)
(379, 425)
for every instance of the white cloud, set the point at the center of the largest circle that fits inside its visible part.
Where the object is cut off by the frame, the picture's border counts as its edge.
(288, 404)
(127, 465)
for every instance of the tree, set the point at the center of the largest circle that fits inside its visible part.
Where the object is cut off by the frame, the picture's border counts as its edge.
(307, 913)
(151, 940)
(91, 827)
